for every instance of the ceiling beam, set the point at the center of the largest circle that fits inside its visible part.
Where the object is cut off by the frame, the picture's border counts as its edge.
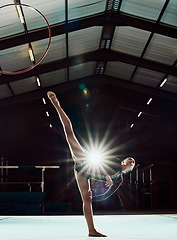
(94, 80)
(153, 92)
(99, 55)
(103, 19)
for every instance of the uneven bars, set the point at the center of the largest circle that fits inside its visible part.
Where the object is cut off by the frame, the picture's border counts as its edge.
(26, 167)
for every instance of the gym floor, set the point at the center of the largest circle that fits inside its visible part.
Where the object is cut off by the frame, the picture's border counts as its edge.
(119, 227)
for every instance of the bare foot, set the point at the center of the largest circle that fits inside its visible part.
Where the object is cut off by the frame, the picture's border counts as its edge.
(51, 94)
(96, 234)
(53, 98)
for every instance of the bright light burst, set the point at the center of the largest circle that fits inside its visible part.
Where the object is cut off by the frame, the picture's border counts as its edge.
(95, 157)
(95, 161)
(99, 154)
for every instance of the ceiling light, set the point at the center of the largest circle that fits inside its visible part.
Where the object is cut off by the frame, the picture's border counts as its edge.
(31, 54)
(132, 125)
(20, 14)
(163, 82)
(43, 99)
(38, 82)
(150, 99)
(50, 125)
(139, 114)
(47, 113)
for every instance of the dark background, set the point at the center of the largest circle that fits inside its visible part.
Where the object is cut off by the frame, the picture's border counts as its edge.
(27, 139)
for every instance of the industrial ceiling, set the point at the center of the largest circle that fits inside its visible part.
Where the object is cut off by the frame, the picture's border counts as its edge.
(124, 52)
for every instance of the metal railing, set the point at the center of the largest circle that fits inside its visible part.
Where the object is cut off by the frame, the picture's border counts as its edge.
(42, 182)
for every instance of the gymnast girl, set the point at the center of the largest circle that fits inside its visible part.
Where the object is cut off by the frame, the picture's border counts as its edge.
(81, 174)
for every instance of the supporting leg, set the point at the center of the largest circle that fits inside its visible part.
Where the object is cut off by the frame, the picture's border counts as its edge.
(84, 187)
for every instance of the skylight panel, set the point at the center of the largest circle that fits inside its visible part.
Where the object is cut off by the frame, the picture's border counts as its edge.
(170, 15)
(162, 49)
(129, 40)
(119, 70)
(147, 77)
(83, 8)
(147, 9)
(85, 40)
(82, 70)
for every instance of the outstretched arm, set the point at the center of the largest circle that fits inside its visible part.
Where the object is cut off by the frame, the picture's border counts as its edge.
(75, 147)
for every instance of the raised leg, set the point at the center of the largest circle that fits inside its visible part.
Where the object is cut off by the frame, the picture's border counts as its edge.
(77, 152)
(74, 145)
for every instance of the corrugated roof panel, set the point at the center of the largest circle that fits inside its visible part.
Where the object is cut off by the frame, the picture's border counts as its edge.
(56, 51)
(162, 49)
(85, 40)
(53, 10)
(171, 84)
(53, 78)
(25, 85)
(16, 58)
(9, 21)
(170, 15)
(147, 77)
(129, 40)
(82, 8)
(82, 70)
(119, 70)
(149, 9)
(5, 91)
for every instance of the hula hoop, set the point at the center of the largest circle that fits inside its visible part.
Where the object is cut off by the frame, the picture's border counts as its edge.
(98, 197)
(47, 49)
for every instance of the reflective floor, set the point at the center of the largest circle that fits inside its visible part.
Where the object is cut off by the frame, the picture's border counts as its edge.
(120, 227)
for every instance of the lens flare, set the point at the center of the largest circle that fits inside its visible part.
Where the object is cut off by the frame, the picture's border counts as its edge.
(95, 158)
(98, 157)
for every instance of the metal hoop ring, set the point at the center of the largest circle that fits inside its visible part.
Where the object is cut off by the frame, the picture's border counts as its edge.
(47, 49)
